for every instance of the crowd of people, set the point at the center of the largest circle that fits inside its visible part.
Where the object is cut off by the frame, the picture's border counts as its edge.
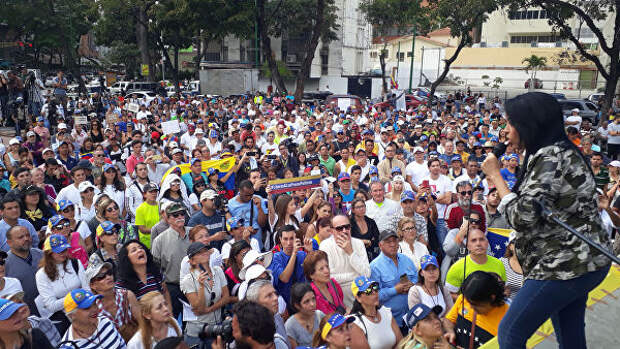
(115, 234)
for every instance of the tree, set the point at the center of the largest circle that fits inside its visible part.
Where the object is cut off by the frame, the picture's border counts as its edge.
(462, 17)
(592, 14)
(533, 64)
(387, 15)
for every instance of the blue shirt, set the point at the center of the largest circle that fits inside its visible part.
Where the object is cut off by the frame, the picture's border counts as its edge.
(278, 264)
(70, 163)
(509, 177)
(383, 271)
(188, 179)
(242, 210)
(214, 225)
(4, 227)
(348, 198)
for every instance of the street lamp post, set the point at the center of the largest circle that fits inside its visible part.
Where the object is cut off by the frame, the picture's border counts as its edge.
(412, 55)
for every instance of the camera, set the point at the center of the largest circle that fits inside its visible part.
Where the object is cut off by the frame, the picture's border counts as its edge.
(223, 329)
(221, 202)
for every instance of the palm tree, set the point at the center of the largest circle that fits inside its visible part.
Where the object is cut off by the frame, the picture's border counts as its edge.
(533, 63)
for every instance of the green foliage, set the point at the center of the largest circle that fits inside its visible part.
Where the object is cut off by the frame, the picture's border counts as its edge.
(285, 73)
(497, 82)
(534, 63)
(296, 18)
(127, 54)
(401, 14)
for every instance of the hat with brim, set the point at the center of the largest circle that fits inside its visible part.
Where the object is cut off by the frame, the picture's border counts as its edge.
(175, 207)
(255, 271)
(361, 284)
(420, 312)
(8, 308)
(94, 269)
(79, 299)
(195, 248)
(250, 259)
(387, 234)
(335, 321)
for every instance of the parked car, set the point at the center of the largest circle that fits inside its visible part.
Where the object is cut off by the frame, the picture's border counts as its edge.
(538, 84)
(142, 94)
(130, 86)
(344, 101)
(558, 96)
(411, 101)
(587, 109)
(595, 97)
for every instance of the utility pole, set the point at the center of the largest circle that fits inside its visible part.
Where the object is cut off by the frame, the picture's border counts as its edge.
(412, 55)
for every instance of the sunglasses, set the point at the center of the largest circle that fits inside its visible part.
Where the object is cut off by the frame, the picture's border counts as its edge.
(110, 170)
(101, 276)
(466, 192)
(177, 214)
(112, 208)
(374, 287)
(343, 227)
(111, 232)
(475, 221)
(62, 226)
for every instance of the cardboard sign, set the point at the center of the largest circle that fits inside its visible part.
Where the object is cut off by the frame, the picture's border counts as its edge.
(293, 184)
(111, 119)
(133, 107)
(170, 127)
(80, 120)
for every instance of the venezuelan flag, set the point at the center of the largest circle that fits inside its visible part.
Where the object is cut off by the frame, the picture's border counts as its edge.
(393, 82)
(223, 166)
(498, 240)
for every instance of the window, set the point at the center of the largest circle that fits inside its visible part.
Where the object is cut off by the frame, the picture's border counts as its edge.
(324, 64)
(543, 14)
(527, 14)
(401, 56)
(373, 54)
(409, 54)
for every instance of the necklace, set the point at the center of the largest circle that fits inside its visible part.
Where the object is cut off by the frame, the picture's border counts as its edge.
(434, 298)
(374, 318)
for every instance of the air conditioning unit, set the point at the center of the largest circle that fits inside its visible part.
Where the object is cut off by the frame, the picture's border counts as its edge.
(504, 43)
(483, 44)
(291, 58)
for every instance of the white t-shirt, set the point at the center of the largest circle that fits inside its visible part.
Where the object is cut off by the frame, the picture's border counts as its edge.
(440, 186)
(417, 172)
(573, 118)
(613, 139)
(11, 285)
(381, 335)
(136, 341)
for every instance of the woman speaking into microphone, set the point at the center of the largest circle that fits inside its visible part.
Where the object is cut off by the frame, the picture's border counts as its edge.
(559, 268)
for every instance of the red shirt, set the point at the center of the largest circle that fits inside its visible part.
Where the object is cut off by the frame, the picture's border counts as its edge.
(454, 215)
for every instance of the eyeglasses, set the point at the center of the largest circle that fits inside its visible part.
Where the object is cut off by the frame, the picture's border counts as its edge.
(102, 276)
(475, 221)
(62, 226)
(466, 192)
(343, 227)
(409, 229)
(112, 208)
(374, 287)
(177, 214)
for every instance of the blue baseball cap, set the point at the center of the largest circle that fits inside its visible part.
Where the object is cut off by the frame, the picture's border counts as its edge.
(456, 157)
(477, 144)
(427, 260)
(407, 195)
(512, 156)
(344, 177)
(234, 222)
(212, 170)
(419, 312)
(107, 167)
(57, 219)
(64, 203)
(396, 169)
(213, 134)
(8, 308)
(193, 161)
(361, 284)
(56, 243)
(79, 299)
(373, 170)
(335, 321)
(423, 138)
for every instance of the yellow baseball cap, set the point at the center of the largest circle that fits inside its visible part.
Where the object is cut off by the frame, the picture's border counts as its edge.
(79, 299)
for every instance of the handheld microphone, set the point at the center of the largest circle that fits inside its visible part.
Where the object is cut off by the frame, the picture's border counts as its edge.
(498, 150)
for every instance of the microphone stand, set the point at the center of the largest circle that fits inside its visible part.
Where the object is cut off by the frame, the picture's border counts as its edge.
(548, 215)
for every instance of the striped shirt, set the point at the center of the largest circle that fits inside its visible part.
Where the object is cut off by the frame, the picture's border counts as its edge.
(153, 283)
(105, 337)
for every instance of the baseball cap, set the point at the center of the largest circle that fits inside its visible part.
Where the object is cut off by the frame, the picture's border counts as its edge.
(107, 167)
(30, 134)
(46, 150)
(213, 134)
(407, 195)
(176, 151)
(85, 185)
(8, 308)
(208, 194)
(175, 207)
(396, 169)
(150, 187)
(199, 131)
(234, 222)
(420, 312)
(361, 284)
(173, 144)
(387, 234)
(615, 163)
(57, 219)
(574, 110)
(398, 178)
(79, 299)
(373, 170)
(107, 227)
(14, 141)
(456, 157)
(424, 138)
(194, 160)
(335, 321)
(212, 170)
(56, 243)
(194, 248)
(62, 125)
(427, 260)
(418, 150)
(94, 269)
(344, 177)
(64, 203)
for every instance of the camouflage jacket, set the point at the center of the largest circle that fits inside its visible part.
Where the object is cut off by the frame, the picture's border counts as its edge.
(545, 250)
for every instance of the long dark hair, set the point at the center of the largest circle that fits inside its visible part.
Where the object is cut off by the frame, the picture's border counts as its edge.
(41, 205)
(126, 274)
(118, 183)
(538, 119)
(357, 308)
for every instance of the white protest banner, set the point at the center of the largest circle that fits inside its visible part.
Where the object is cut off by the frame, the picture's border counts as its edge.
(344, 103)
(133, 107)
(170, 127)
(80, 120)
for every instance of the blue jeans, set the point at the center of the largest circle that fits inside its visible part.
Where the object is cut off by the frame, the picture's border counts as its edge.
(564, 301)
(442, 229)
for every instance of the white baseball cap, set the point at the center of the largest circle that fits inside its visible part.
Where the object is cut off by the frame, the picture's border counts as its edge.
(615, 163)
(30, 134)
(14, 141)
(85, 185)
(62, 125)
(575, 110)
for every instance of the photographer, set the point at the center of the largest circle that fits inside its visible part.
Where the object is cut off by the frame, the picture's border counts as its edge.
(33, 87)
(288, 157)
(252, 327)
(211, 216)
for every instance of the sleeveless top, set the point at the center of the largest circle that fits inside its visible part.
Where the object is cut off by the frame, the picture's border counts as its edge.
(123, 310)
